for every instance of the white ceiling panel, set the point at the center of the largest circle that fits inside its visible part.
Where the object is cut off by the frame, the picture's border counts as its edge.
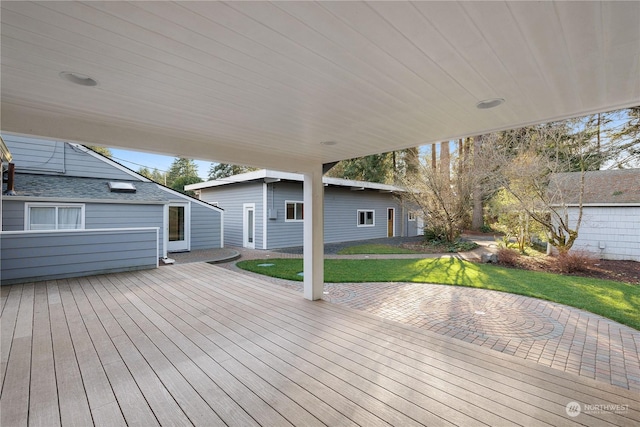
(264, 83)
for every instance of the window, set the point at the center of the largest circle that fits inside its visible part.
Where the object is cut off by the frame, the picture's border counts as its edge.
(294, 210)
(412, 216)
(43, 216)
(366, 218)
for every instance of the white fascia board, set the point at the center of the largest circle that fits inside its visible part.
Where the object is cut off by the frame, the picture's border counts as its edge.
(289, 176)
(243, 177)
(597, 205)
(361, 184)
(246, 177)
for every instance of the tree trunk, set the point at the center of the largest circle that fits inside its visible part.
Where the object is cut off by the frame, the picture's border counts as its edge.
(433, 156)
(445, 160)
(477, 217)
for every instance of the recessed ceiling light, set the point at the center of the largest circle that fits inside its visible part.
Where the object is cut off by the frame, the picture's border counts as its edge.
(77, 78)
(328, 143)
(489, 103)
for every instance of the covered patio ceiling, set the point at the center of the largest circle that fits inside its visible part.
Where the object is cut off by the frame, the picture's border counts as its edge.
(289, 85)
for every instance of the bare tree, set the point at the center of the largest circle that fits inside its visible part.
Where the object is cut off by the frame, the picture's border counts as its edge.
(525, 163)
(443, 198)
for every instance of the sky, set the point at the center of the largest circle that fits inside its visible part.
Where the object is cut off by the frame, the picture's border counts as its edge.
(135, 160)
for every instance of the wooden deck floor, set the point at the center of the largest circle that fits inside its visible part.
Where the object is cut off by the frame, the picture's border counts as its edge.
(198, 344)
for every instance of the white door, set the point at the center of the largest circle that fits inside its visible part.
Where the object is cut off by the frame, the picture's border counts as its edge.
(178, 228)
(420, 226)
(249, 227)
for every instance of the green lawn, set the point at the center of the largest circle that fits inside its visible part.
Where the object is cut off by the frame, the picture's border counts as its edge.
(615, 300)
(373, 248)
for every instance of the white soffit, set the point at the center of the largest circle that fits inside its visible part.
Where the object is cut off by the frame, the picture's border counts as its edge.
(275, 84)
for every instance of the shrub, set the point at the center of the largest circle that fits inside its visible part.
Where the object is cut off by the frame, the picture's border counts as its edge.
(462, 245)
(574, 261)
(507, 256)
(486, 228)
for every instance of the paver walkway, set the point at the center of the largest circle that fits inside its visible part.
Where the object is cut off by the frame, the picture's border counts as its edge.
(548, 333)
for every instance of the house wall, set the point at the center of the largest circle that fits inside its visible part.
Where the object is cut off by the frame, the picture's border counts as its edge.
(57, 158)
(340, 212)
(341, 207)
(340, 215)
(617, 228)
(206, 227)
(27, 256)
(97, 215)
(231, 198)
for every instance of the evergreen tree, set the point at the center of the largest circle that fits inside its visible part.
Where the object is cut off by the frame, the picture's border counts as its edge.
(182, 172)
(181, 168)
(180, 182)
(223, 170)
(154, 175)
(102, 150)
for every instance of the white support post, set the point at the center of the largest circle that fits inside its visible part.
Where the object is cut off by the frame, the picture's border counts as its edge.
(313, 234)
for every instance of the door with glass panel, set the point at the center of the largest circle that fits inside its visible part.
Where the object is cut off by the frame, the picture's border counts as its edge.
(178, 229)
(249, 227)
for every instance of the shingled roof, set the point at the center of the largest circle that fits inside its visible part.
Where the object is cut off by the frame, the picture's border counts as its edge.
(71, 187)
(620, 186)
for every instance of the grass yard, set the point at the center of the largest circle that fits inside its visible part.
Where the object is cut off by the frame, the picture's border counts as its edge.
(373, 248)
(615, 300)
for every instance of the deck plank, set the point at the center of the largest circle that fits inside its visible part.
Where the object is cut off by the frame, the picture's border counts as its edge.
(270, 393)
(202, 345)
(419, 393)
(167, 409)
(14, 402)
(387, 404)
(207, 339)
(74, 406)
(182, 355)
(131, 401)
(8, 326)
(271, 369)
(43, 401)
(368, 364)
(567, 395)
(98, 390)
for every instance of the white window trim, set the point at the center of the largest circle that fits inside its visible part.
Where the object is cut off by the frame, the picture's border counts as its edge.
(412, 216)
(28, 206)
(366, 225)
(286, 202)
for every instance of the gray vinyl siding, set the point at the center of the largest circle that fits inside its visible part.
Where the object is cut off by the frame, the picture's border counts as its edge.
(282, 233)
(35, 256)
(206, 227)
(97, 215)
(59, 158)
(340, 215)
(12, 215)
(108, 215)
(412, 226)
(341, 218)
(231, 198)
